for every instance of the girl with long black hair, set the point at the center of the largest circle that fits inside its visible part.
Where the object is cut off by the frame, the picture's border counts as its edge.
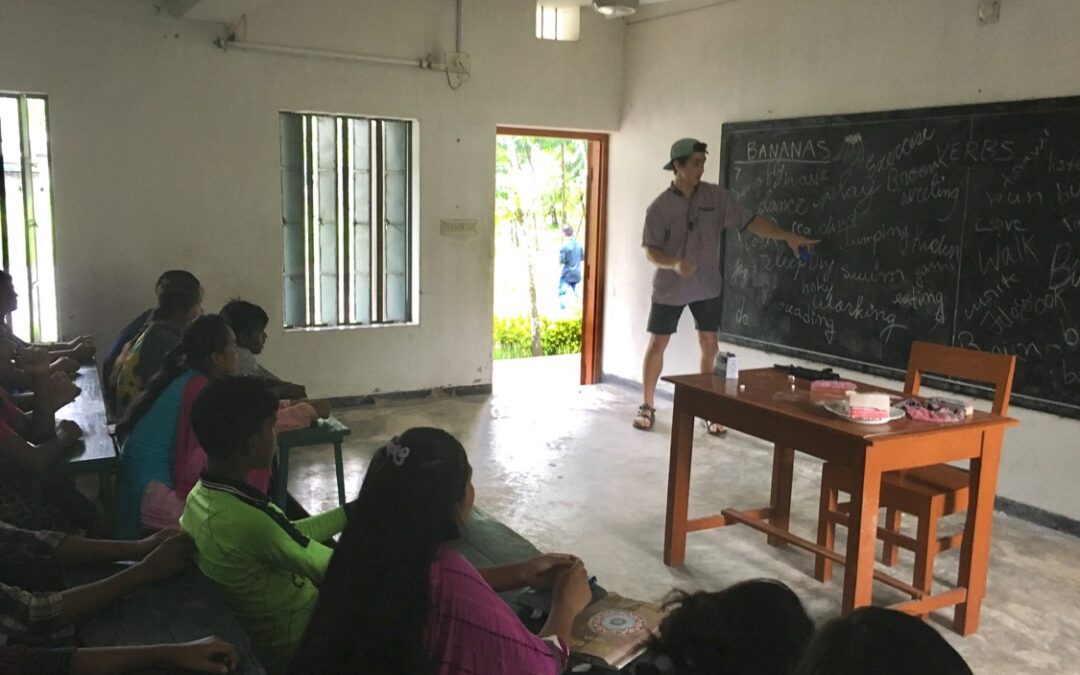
(397, 599)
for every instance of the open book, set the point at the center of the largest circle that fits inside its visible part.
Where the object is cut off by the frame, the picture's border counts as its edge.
(613, 631)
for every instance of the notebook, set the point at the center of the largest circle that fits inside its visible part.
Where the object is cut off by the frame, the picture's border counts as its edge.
(614, 631)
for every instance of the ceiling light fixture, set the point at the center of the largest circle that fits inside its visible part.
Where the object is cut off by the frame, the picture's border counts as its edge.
(615, 8)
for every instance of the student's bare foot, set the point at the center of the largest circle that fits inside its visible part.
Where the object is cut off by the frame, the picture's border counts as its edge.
(646, 417)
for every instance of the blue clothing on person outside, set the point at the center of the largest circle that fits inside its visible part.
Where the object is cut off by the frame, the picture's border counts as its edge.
(570, 255)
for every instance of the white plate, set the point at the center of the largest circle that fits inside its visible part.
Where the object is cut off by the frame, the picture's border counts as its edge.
(840, 408)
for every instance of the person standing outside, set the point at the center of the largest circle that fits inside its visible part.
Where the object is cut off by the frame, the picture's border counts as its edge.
(682, 239)
(570, 257)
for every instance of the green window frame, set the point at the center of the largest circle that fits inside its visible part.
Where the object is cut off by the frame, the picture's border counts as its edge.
(347, 220)
(26, 214)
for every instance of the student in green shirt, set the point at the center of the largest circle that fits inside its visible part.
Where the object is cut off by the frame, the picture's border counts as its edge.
(268, 566)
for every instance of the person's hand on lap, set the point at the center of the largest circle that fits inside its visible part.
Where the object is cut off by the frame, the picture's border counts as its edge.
(540, 572)
(571, 588)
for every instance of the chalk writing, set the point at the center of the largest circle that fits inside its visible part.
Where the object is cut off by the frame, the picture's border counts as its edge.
(951, 226)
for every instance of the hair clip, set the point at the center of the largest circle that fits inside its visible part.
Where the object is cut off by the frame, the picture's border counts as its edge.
(396, 451)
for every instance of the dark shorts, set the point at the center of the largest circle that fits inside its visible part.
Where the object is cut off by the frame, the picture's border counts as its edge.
(664, 319)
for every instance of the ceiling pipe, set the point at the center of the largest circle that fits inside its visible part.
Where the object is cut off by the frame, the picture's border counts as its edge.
(423, 63)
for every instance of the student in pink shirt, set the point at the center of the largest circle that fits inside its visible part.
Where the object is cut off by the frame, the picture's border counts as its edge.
(397, 599)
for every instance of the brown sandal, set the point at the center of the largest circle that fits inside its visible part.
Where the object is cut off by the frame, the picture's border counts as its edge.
(646, 417)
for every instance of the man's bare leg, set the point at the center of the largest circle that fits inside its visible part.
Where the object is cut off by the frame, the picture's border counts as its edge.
(651, 368)
(709, 348)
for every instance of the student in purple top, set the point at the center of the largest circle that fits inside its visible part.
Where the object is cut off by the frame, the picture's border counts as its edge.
(398, 599)
(682, 239)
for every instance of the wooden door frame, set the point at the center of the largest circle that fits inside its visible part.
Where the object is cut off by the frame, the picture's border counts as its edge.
(592, 320)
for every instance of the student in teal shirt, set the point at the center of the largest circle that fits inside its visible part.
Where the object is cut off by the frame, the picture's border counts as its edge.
(267, 565)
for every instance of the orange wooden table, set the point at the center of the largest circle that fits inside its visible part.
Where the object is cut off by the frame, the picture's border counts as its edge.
(794, 420)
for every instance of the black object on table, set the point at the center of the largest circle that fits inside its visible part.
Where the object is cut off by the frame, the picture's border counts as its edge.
(809, 373)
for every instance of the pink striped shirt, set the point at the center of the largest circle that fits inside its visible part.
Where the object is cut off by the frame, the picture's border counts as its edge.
(471, 631)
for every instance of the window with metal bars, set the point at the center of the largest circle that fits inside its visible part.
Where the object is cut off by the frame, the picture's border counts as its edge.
(556, 20)
(26, 223)
(347, 219)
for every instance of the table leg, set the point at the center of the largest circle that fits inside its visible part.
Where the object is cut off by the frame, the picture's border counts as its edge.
(281, 477)
(975, 550)
(339, 466)
(862, 534)
(783, 465)
(678, 495)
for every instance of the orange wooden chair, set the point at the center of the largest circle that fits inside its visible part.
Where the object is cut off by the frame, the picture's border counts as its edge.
(929, 493)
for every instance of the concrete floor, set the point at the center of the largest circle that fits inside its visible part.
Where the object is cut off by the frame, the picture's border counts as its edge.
(561, 465)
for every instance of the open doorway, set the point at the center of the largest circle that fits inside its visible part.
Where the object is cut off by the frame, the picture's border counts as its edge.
(549, 242)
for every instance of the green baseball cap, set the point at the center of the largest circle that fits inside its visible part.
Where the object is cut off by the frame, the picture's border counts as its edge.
(684, 147)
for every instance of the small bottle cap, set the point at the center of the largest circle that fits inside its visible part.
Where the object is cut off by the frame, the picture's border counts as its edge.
(791, 378)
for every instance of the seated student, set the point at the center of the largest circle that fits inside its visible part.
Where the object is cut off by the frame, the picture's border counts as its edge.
(756, 627)
(13, 375)
(161, 458)
(158, 465)
(178, 305)
(398, 599)
(248, 321)
(71, 353)
(35, 491)
(136, 326)
(880, 641)
(17, 382)
(268, 567)
(36, 613)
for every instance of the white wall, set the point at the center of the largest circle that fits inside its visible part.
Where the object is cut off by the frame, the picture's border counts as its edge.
(689, 73)
(165, 154)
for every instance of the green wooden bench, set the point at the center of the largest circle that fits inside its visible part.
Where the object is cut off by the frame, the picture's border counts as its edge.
(321, 432)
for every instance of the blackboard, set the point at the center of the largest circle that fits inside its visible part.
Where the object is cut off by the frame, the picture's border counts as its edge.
(956, 225)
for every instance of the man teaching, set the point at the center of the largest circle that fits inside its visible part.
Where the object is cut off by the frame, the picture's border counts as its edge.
(682, 239)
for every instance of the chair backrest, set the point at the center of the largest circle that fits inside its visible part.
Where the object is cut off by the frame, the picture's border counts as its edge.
(982, 367)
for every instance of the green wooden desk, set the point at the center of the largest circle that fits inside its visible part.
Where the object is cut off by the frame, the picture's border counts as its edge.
(96, 452)
(322, 432)
(185, 607)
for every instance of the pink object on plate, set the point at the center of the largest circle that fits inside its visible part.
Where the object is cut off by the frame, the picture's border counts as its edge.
(832, 385)
(860, 413)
